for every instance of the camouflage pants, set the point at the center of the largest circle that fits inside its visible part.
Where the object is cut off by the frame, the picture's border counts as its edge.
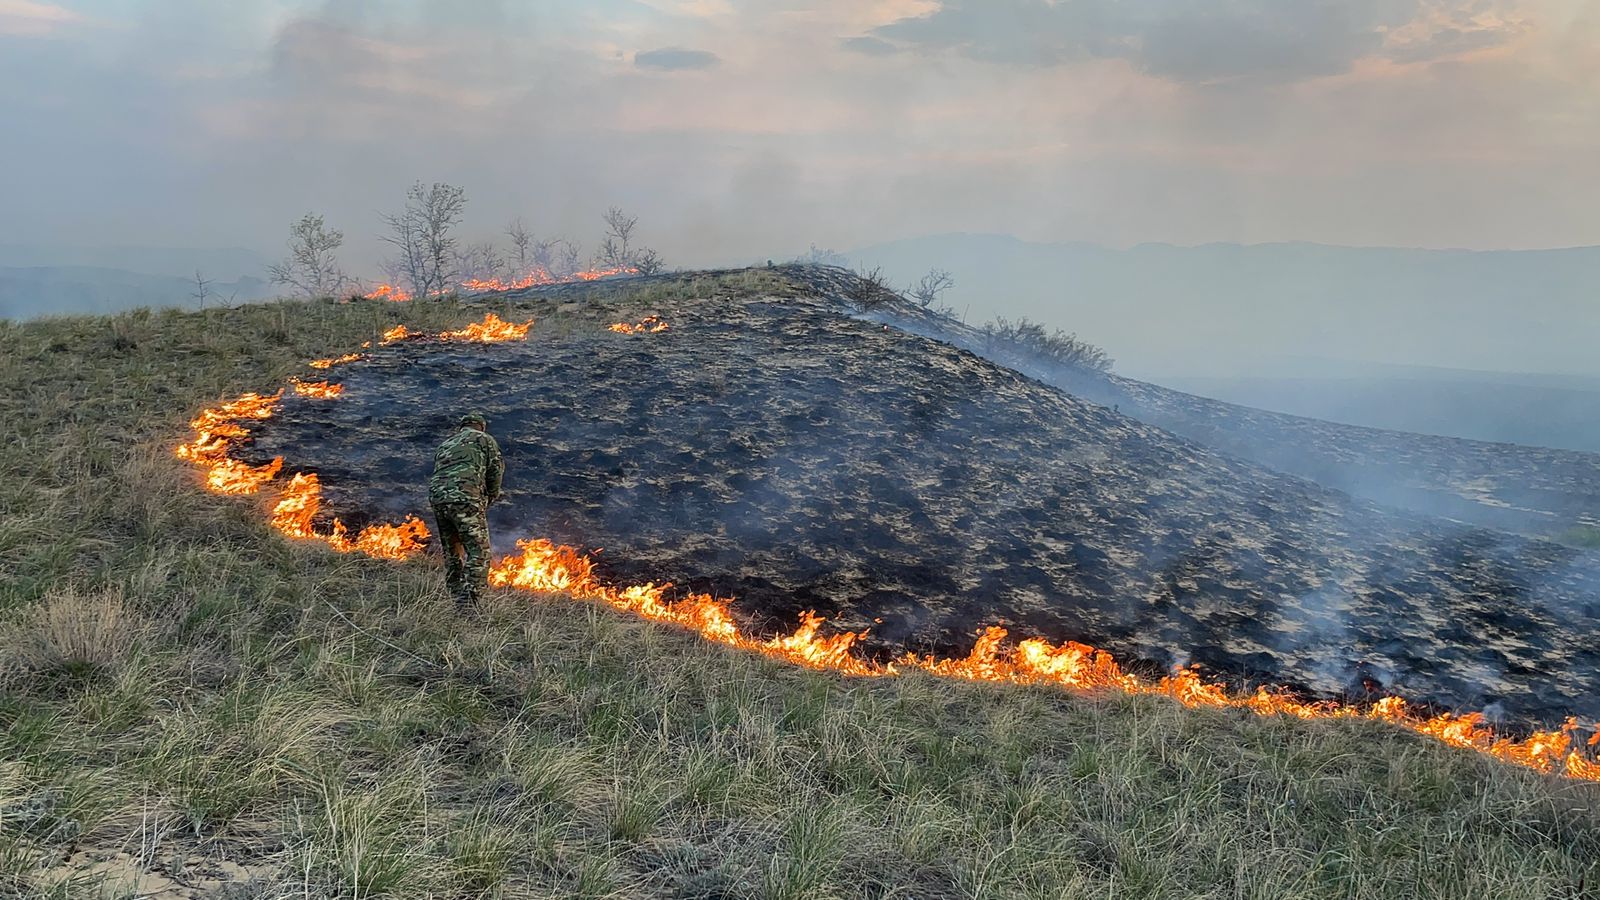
(464, 535)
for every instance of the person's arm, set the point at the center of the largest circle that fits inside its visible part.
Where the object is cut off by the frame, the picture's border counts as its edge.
(493, 470)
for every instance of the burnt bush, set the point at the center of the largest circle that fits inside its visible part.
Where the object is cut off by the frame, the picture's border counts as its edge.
(1025, 338)
(870, 290)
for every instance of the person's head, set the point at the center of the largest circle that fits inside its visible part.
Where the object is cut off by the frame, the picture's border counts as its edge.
(475, 420)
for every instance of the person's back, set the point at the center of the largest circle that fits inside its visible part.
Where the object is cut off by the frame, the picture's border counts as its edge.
(466, 469)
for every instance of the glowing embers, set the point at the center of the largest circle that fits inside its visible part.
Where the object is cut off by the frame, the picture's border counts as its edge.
(646, 325)
(536, 277)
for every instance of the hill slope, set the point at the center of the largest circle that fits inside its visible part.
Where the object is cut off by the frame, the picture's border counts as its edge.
(797, 458)
(190, 702)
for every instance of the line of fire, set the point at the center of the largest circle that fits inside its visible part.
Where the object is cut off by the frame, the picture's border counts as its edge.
(295, 506)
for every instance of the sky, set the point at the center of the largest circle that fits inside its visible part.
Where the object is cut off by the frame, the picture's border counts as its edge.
(742, 130)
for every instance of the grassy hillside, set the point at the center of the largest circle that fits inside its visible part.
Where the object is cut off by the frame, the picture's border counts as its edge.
(191, 702)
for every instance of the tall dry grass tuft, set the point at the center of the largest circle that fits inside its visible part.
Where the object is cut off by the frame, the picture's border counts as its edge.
(72, 632)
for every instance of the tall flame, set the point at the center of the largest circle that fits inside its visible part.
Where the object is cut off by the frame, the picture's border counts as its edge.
(543, 566)
(491, 330)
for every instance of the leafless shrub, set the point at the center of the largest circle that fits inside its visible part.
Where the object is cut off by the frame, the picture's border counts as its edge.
(481, 260)
(617, 250)
(1031, 338)
(311, 268)
(927, 290)
(870, 290)
(648, 262)
(521, 245)
(818, 256)
(568, 258)
(425, 257)
(202, 290)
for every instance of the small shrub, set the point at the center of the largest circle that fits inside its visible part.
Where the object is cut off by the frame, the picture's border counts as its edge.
(1026, 338)
(870, 290)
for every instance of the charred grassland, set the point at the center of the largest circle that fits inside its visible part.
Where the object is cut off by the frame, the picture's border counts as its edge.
(190, 701)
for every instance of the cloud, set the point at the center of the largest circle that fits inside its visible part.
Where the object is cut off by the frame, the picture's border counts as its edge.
(675, 59)
(869, 45)
(1266, 41)
(27, 18)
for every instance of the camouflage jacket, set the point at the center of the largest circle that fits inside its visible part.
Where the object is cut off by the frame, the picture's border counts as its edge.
(466, 469)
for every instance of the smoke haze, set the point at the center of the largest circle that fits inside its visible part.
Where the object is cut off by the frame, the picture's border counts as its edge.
(738, 130)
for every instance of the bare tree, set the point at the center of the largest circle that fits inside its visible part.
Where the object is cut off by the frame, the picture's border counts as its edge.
(481, 261)
(616, 251)
(568, 259)
(425, 255)
(311, 269)
(202, 289)
(927, 290)
(521, 246)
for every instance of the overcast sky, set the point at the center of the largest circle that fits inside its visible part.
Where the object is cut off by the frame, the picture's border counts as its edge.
(740, 130)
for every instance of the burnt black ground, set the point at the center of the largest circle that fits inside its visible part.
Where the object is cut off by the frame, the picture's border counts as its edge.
(784, 453)
(1537, 491)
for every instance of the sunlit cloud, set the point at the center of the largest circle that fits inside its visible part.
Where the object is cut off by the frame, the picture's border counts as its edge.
(29, 18)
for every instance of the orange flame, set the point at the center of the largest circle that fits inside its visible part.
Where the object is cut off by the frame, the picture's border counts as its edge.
(544, 567)
(389, 292)
(215, 432)
(317, 390)
(230, 476)
(301, 500)
(491, 330)
(397, 333)
(330, 363)
(646, 325)
(536, 277)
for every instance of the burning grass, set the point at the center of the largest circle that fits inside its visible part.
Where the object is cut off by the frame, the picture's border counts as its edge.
(330, 724)
(542, 566)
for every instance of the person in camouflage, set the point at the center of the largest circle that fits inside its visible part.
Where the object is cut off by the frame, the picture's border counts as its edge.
(467, 469)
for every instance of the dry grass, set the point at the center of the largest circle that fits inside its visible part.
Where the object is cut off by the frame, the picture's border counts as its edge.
(329, 722)
(71, 634)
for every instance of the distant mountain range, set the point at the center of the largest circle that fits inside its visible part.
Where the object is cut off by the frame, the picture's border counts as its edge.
(84, 290)
(37, 281)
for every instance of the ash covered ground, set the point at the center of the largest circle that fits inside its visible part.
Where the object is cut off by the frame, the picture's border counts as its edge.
(782, 452)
